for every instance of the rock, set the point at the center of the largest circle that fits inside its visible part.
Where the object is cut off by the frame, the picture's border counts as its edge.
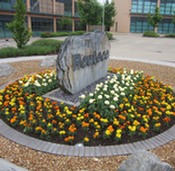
(144, 161)
(82, 60)
(48, 62)
(6, 69)
(7, 166)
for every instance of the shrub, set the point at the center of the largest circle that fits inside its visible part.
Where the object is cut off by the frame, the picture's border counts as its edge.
(110, 35)
(170, 35)
(59, 34)
(150, 34)
(39, 47)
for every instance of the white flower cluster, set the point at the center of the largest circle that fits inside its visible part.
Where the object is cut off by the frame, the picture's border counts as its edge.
(38, 80)
(111, 92)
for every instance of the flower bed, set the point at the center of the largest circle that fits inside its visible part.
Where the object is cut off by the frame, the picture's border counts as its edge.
(127, 107)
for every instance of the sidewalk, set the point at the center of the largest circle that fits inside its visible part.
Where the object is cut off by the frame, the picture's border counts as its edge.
(132, 47)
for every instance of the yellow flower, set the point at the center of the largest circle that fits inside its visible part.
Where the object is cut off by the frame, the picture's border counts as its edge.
(62, 132)
(136, 123)
(132, 128)
(104, 120)
(116, 122)
(86, 139)
(157, 125)
(108, 132)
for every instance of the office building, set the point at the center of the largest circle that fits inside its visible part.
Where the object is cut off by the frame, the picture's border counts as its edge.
(132, 15)
(42, 16)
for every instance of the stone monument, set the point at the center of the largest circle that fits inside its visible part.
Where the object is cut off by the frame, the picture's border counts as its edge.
(82, 60)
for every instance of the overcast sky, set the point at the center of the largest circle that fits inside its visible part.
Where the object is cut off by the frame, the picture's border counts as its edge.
(102, 1)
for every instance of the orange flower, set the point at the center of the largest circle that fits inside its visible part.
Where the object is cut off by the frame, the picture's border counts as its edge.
(97, 115)
(54, 121)
(6, 103)
(13, 120)
(110, 128)
(72, 128)
(96, 134)
(69, 138)
(122, 117)
(142, 129)
(85, 124)
(86, 115)
(166, 119)
(149, 111)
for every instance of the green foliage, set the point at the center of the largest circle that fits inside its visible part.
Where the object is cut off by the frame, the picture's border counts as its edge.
(59, 34)
(110, 35)
(64, 22)
(21, 34)
(90, 11)
(110, 12)
(39, 47)
(154, 19)
(150, 34)
(170, 35)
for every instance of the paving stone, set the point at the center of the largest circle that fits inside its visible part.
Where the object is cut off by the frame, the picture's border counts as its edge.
(103, 151)
(51, 147)
(97, 151)
(119, 150)
(87, 152)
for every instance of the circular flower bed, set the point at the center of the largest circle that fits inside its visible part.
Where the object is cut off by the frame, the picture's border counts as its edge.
(126, 107)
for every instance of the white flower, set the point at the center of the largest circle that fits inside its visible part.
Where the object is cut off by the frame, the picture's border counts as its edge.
(36, 83)
(91, 100)
(82, 96)
(132, 71)
(107, 102)
(20, 81)
(100, 97)
(115, 98)
(26, 84)
(45, 84)
(112, 92)
(104, 89)
(91, 94)
(107, 96)
(38, 76)
(122, 93)
(112, 106)
(97, 89)
(49, 80)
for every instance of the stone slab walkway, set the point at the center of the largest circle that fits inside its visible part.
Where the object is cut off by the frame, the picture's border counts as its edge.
(85, 151)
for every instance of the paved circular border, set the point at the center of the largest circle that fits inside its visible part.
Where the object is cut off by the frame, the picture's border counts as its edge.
(81, 151)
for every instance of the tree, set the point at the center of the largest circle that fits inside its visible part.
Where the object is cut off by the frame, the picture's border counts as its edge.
(110, 12)
(21, 34)
(155, 19)
(90, 12)
(65, 22)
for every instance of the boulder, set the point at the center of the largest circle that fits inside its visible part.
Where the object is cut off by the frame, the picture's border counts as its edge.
(82, 60)
(48, 62)
(7, 166)
(6, 69)
(144, 161)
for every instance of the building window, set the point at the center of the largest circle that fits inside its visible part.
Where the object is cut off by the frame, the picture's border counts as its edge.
(41, 25)
(140, 6)
(65, 6)
(166, 26)
(41, 6)
(167, 7)
(67, 27)
(4, 31)
(139, 25)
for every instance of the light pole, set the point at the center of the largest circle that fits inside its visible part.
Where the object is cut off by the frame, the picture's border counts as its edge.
(103, 17)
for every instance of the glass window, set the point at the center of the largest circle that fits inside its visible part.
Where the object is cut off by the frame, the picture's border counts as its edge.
(4, 31)
(167, 7)
(166, 26)
(41, 25)
(140, 6)
(139, 25)
(64, 7)
(41, 6)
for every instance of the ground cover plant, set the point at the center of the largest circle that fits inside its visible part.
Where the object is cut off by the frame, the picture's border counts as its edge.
(38, 47)
(128, 106)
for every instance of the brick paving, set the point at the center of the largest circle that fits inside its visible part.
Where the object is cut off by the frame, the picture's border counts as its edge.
(81, 151)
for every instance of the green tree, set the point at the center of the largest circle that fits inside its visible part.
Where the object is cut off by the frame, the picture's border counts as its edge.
(155, 19)
(90, 12)
(65, 22)
(110, 12)
(21, 34)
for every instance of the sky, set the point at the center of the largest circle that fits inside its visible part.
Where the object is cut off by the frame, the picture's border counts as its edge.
(102, 1)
